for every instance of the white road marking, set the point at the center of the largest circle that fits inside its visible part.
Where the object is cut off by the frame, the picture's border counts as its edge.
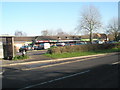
(1, 73)
(116, 63)
(61, 78)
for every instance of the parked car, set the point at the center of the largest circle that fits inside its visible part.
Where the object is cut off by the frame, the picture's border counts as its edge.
(98, 42)
(112, 42)
(35, 47)
(72, 44)
(60, 44)
(26, 48)
(53, 45)
(30, 47)
(23, 48)
(42, 46)
(81, 43)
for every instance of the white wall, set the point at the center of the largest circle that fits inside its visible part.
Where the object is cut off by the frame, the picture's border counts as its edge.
(1, 50)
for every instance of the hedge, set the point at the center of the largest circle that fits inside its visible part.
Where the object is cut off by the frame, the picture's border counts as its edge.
(81, 48)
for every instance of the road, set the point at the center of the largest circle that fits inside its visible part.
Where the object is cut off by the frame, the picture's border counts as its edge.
(100, 72)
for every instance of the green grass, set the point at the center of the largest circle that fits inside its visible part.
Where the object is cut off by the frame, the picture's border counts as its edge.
(20, 57)
(76, 54)
(1, 58)
(87, 39)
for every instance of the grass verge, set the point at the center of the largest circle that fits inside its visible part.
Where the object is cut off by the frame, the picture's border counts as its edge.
(76, 54)
(20, 57)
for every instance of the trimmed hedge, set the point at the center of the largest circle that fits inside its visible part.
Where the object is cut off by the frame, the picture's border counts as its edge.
(81, 48)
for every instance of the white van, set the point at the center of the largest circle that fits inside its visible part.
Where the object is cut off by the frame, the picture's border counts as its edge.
(60, 44)
(43, 46)
(46, 45)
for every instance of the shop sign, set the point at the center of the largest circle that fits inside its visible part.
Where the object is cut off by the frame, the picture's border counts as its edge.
(39, 41)
(53, 40)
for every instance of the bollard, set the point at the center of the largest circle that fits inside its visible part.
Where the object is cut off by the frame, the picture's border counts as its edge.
(23, 53)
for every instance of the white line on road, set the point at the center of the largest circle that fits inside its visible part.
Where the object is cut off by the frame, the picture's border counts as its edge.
(61, 78)
(1, 72)
(115, 63)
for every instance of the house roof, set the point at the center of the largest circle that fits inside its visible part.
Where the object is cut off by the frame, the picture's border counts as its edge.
(31, 38)
(28, 38)
(95, 35)
(102, 36)
(24, 38)
(58, 38)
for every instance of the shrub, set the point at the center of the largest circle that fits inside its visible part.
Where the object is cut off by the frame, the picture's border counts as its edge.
(82, 48)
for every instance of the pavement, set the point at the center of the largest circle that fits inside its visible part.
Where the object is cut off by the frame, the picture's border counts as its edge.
(34, 56)
(46, 60)
(31, 59)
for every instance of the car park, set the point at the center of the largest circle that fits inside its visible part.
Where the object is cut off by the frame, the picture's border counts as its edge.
(35, 47)
(60, 44)
(41, 46)
(46, 45)
(72, 44)
(23, 48)
(26, 48)
(112, 42)
(98, 42)
(81, 43)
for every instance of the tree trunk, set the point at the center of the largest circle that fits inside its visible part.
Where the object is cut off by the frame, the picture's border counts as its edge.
(91, 36)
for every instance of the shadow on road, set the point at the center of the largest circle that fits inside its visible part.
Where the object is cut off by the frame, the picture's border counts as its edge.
(102, 76)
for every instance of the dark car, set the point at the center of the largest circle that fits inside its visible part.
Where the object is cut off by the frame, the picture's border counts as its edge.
(26, 48)
(112, 42)
(23, 48)
(81, 43)
(35, 47)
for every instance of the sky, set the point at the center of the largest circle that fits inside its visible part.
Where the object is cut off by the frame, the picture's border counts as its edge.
(33, 17)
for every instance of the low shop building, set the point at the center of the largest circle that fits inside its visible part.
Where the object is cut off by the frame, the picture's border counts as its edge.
(21, 41)
(57, 39)
(10, 44)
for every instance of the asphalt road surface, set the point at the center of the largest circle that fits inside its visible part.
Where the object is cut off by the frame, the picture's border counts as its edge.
(100, 72)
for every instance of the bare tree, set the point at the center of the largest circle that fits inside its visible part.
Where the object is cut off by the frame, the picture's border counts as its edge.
(20, 33)
(113, 28)
(90, 20)
(60, 32)
(48, 33)
(44, 33)
(52, 32)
